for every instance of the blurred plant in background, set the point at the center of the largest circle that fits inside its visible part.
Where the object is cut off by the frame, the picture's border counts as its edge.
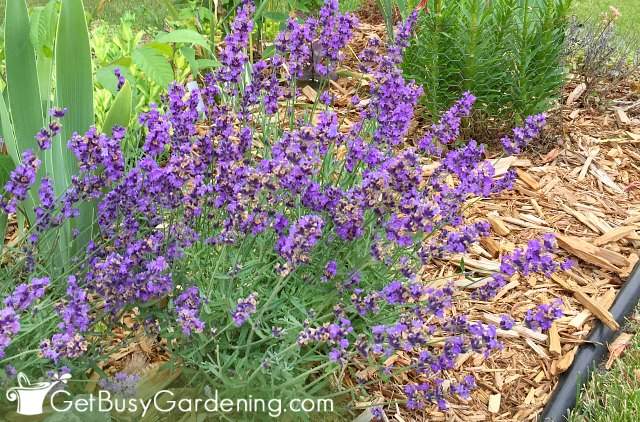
(509, 53)
(601, 56)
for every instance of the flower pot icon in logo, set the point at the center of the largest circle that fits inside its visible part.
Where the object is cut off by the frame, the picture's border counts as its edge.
(30, 397)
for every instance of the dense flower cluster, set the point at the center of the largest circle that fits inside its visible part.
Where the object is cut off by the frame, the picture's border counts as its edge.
(188, 309)
(316, 201)
(75, 316)
(543, 315)
(244, 309)
(20, 181)
(523, 135)
(20, 300)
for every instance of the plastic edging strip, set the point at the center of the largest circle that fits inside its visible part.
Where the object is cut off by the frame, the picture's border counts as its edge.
(591, 353)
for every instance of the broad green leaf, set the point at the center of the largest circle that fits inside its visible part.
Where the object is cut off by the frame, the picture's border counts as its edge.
(190, 54)
(23, 108)
(73, 75)
(207, 63)
(187, 36)
(47, 22)
(108, 80)
(34, 25)
(8, 132)
(163, 48)
(154, 65)
(120, 112)
(74, 90)
(22, 77)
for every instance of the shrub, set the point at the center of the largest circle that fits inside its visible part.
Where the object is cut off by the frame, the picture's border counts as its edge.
(601, 57)
(507, 52)
(267, 246)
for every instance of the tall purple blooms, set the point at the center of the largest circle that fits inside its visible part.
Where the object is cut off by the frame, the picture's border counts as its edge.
(543, 315)
(234, 57)
(187, 306)
(448, 128)
(523, 135)
(244, 309)
(336, 30)
(24, 295)
(20, 181)
(302, 237)
(75, 316)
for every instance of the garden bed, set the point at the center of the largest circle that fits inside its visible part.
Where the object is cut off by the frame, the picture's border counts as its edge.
(584, 187)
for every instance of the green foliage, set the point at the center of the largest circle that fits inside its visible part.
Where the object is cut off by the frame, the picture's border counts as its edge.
(120, 112)
(508, 53)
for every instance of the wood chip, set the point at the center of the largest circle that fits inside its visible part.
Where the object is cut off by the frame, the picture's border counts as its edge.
(615, 235)
(576, 93)
(498, 225)
(617, 348)
(554, 340)
(602, 314)
(595, 255)
(621, 117)
(494, 403)
(528, 179)
(566, 360)
(310, 93)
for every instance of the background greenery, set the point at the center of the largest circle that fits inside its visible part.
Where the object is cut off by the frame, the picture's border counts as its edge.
(629, 9)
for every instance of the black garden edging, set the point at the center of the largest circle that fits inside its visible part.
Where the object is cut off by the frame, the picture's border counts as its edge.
(591, 353)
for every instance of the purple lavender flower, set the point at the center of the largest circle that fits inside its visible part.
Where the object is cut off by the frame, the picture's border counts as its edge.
(121, 384)
(58, 112)
(187, 307)
(24, 295)
(464, 388)
(330, 270)
(244, 309)
(506, 322)
(20, 180)
(9, 327)
(543, 315)
(448, 128)
(121, 80)
(233, 57)
(302, 237)
(523, 135)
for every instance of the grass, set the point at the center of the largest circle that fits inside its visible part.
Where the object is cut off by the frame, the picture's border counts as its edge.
(629, 12)
(149, 13)
(614, 395)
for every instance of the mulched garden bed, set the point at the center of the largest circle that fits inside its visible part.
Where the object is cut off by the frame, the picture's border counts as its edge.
(586, 190)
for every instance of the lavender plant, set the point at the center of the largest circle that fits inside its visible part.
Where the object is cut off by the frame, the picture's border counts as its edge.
(271, 247)
(602, 58)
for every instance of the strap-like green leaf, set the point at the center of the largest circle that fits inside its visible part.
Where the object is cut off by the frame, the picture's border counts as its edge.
(74, 90)
(120, 111)
(187, 36)
(154, 65)
(22, 78)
